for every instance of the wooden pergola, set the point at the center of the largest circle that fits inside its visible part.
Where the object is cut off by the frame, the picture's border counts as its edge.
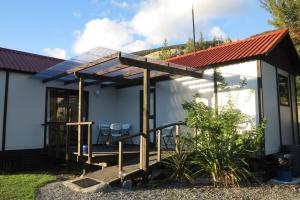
(115, 69)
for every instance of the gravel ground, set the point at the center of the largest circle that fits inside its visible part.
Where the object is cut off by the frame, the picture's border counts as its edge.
(175, 191)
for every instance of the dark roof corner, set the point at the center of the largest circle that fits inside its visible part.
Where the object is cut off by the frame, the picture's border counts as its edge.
(25, 62)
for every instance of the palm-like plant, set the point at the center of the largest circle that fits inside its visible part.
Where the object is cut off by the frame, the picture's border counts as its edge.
(179, 164)
(220, 146)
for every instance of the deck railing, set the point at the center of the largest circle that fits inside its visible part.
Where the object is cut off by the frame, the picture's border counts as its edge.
(55, 131)
(157, 131)
(66, 129)
(80, 142)
(120, 141)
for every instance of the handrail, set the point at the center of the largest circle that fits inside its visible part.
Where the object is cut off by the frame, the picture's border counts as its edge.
(167, 126)
(155, 131)
(151, 130)
(53, 123)
(79, 123)
(67, 123)
(128, 137)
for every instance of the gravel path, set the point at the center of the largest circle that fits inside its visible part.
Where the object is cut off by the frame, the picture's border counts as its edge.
(59, 191)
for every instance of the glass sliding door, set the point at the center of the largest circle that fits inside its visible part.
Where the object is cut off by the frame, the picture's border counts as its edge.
(63, 107)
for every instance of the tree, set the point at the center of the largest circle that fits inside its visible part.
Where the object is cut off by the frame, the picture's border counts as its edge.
(200, 44)
(285, 14)
(165, 52)
(189, 47)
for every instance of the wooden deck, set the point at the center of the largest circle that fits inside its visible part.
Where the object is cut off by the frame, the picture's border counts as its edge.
(109, 154)
(131, 168)
(103, 150)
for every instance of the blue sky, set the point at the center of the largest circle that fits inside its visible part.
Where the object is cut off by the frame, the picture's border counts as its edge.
(64, 28)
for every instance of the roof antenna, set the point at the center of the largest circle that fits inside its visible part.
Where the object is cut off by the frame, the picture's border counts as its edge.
(194, 40)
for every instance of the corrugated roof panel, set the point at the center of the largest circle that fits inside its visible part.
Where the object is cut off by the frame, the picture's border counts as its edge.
(25, 62)
(253, 46)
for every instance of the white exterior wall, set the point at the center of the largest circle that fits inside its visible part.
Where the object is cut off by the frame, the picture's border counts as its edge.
(101, 107)
(2, 94)
(128, 108)
(246, 99)
(26, 109)
(26, 104)
(286, 118)
(170, 95)
(25, 113)
(271, 113)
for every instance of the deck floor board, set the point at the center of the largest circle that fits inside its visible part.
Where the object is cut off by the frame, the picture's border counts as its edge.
(111, 174)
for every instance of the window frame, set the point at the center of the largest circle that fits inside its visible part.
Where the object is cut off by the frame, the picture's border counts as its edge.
(286, 90)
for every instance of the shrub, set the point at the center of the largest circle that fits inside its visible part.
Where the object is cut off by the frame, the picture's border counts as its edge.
(219, 146)
(223, 142)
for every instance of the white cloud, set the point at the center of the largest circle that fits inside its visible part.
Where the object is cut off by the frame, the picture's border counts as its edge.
(171, 19)
(154, 21)
(104, 33)
(217, 32)
(76, 14)
(56, 52)
(136, 46)
(121, 4)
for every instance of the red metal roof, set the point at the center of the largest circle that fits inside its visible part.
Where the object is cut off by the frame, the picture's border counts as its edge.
(250, 47)
(25, 62)
(253, 46)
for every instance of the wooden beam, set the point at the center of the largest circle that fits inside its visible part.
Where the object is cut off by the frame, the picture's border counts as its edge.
(121, 78)
(71, 81)
(83, 67)
(159, 67)
(144, 146)
(101, 78)
(112, 69)
(132, 73)
(160, 76)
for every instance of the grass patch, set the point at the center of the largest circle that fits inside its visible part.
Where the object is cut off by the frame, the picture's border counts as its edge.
(22, 186)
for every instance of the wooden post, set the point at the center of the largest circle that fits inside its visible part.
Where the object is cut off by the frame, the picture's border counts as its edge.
(67, 143)
(144, 146)
(90, 143)
(120, 159)
(177, 142)
(158, 145)
(79, 142)
(57, 141)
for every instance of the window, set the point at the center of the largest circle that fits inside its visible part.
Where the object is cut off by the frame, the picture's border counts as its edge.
(283, 84)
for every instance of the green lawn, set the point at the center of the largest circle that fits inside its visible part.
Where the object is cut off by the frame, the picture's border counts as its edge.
(22, 186)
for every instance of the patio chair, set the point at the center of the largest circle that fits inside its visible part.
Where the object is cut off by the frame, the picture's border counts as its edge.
(104, 131)
(115, 130)
(167, 135)
(126, 131)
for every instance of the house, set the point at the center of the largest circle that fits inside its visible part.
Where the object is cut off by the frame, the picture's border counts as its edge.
(34, 94)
